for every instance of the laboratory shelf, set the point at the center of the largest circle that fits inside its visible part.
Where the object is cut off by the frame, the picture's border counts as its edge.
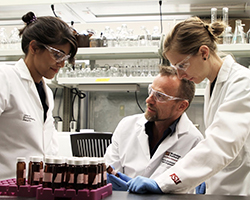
(238, 50)
(111, 83)
(104, 80)
(7, 54)
(101, 53)
(106, 83)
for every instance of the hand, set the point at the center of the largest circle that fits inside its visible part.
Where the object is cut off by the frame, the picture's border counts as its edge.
(117, 183)
(201, 189)
(143, 185)
(124, 177)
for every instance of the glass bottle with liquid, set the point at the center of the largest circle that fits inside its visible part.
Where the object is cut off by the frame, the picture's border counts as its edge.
(85, 172)
(21, 171)
(79, 175)
(35, 171)
(48, 172)
(239, 35)
(93, 173)
(70, 174)
(57, 172)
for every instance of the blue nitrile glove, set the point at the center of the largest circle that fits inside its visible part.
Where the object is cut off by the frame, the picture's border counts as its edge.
(117, 183)
(201, 189)
(124, 177)
(143, 185)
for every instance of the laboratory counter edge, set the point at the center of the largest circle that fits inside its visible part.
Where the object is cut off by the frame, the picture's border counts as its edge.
(118, 195)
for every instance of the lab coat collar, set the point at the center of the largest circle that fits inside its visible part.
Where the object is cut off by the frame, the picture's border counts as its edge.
(25, 74)
(222, 77)
(24, 71)
(181, 128)
(225, 69)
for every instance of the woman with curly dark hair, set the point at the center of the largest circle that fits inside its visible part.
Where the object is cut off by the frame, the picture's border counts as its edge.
(26, 102)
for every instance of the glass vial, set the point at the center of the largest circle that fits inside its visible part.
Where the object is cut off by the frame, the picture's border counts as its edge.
(99, 166)
(21, 171)
(35, 171)
(93, 173)
(70, 174)
(48, 172)
(79, 175)
(104, 172)
(41, 170)
(57, 173)
(29, 169)
(110, 170)
(64, 171)
(85, 172)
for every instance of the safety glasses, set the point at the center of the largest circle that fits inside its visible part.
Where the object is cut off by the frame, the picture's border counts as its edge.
(161, 97)
(184, 64)
(57, 54)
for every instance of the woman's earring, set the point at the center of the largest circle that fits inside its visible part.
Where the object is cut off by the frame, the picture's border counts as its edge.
(204, 59)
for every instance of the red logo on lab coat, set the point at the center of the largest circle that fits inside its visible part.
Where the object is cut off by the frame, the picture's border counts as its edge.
(175, 178)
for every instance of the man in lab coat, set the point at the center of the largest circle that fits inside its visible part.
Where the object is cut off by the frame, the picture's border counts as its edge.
(148, 144)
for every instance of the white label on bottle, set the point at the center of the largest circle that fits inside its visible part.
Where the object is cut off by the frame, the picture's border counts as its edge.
(86, 179)
(105, 176)
(80, 178)
(71, 178)
(47, 177)
(36, 176)
(58, 178)
(95, 180)
(99, 178)
(41, 173)
(24, 173)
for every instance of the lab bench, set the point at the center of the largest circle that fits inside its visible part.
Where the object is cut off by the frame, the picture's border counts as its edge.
(117, 195)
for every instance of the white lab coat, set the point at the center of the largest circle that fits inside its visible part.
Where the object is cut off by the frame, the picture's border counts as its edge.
(129, 151)
(224, 155)
(23, 131)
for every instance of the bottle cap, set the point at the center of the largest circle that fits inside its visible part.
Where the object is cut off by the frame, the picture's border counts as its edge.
(93, 161)
(71, 161)
(36, 158)
(20, 159)
(78, 161)
(49, 160)
(85, 160)
(58, 160)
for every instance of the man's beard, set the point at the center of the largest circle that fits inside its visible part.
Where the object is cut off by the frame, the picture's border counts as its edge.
(152, 117)
(149, 116)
